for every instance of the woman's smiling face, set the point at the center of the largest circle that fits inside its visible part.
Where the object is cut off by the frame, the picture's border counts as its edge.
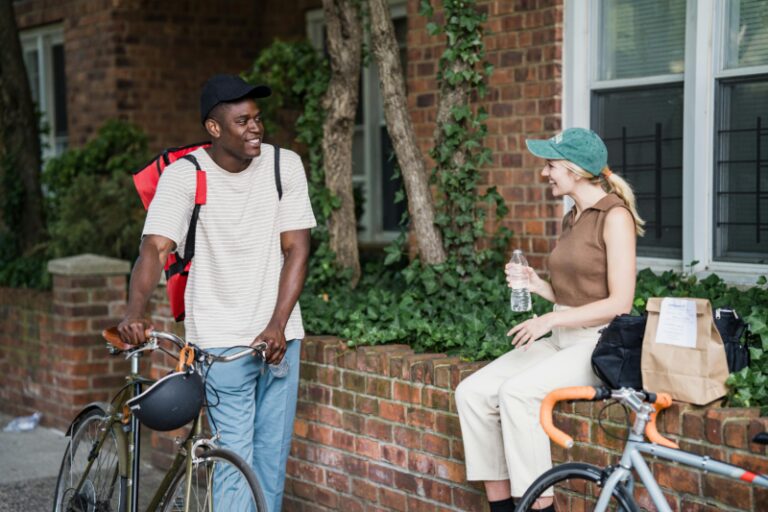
(560, 178)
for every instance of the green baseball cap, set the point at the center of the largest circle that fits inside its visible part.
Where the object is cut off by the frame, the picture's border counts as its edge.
(583, 147)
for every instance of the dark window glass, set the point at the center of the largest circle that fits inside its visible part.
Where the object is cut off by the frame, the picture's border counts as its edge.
(391, 212)
(741, 172)
(59, 90)
(643, 129)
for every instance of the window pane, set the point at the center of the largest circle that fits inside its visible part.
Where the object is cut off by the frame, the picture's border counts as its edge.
(741, 173)
(642, 38)
(59, 91)
(32, 64)
(391, 211)
(643, 129)
(747, 40)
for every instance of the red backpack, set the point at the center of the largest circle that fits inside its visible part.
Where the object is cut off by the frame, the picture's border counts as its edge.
(145, 179)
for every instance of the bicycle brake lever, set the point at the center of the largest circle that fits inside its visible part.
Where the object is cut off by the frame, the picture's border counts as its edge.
(150, 345)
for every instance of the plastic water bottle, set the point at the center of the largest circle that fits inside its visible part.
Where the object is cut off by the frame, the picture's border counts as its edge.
(280, 370)
(521, 295)
(24, 423)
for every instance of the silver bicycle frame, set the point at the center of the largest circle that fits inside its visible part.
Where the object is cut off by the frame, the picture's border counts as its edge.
(632, 459)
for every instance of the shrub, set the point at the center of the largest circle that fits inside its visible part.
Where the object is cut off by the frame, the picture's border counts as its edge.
(434, 309)
(92, 205)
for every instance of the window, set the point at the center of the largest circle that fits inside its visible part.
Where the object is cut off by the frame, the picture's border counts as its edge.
(43, 51)
(637, 107)
(679, 91)
(373, 156)
(741, 167)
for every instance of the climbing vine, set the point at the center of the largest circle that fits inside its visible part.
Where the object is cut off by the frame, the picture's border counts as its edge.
(459, 153)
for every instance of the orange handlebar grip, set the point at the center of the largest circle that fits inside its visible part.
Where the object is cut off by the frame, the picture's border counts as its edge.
(663, 400)
(559, 395)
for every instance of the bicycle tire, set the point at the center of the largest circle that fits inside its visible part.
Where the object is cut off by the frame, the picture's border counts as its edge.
(577, 487)
(103, 490)
(201, 496)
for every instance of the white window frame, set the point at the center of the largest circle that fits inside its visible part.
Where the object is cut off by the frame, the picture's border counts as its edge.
(704, 53)
(373, 120)
(43, 39)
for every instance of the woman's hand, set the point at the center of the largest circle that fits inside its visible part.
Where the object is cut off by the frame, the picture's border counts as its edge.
(535, 283)
(530, 330)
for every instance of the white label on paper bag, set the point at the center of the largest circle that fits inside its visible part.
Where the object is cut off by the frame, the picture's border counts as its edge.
(677, 323)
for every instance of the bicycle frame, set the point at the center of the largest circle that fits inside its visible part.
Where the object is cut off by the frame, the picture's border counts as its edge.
(129, 452)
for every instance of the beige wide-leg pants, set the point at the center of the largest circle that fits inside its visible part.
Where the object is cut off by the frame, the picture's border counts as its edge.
(499, 405)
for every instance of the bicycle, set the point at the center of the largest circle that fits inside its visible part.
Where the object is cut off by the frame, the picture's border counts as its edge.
(580, 486)
(100, 468)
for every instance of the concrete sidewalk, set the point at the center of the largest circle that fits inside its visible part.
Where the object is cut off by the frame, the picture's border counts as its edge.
(29, 467)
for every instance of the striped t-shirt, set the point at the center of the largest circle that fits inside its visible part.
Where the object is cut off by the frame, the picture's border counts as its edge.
(233, 283)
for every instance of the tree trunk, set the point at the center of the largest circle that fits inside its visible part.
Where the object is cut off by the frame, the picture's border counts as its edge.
(344, 37)
(19, 140)
(400, 128)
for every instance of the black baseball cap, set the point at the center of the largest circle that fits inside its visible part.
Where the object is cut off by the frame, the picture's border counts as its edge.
(225, 88)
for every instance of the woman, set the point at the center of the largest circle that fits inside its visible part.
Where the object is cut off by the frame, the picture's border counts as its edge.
(592, 271)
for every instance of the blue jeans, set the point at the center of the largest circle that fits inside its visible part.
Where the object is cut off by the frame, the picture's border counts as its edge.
(254, 414)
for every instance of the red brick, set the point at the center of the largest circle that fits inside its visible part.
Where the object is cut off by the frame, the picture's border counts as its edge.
(436, 444)
(378, 429)
(727, 491)
(368, 448)
(404, 392)
(337, 481)
(392, 411)
(394, 455)
(364, 489)
(393, 500)
(421, 418)
(421, 463)
(678, 478)
(449, 470)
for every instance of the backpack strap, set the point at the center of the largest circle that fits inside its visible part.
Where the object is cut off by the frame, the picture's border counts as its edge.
(278, 183)
(201, 192)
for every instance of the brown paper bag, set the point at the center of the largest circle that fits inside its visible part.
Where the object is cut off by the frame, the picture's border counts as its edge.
(697, 374)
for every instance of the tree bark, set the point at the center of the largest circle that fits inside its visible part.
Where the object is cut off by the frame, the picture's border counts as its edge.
(400, 128)
(19, 138)
(344, 38)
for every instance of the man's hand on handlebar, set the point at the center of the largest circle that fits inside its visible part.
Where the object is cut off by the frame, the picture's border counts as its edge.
(274, 337)
(132, 330)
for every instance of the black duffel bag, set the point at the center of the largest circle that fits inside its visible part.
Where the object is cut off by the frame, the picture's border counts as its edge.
(616, 358)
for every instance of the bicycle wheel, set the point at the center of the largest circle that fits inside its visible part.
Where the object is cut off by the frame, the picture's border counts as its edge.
(577, 487)
(102, 489)
(221, 481)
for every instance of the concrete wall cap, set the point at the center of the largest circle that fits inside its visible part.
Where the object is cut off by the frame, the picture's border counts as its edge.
(88, 264)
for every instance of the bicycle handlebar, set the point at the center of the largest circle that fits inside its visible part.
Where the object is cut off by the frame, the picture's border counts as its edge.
(660, 401)
(113, 338)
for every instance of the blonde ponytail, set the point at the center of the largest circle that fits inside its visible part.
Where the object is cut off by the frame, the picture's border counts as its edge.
(615, 184)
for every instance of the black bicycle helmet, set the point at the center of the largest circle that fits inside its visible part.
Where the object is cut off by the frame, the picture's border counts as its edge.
(171, 402)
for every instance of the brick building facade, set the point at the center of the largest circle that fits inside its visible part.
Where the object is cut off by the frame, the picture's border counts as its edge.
(145, 62)
(678, 90)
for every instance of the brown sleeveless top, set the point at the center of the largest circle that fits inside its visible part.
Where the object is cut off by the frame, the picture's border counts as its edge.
(578, 265)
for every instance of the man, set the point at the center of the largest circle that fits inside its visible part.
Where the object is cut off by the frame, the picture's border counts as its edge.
(251, 250)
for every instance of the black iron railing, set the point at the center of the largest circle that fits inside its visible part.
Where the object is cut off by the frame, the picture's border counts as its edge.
(759, 161)
(657, 224)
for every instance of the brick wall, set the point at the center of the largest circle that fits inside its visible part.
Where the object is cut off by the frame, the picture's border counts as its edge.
(524, 44)
(377, 429)
(145, 62)
(52, 357)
